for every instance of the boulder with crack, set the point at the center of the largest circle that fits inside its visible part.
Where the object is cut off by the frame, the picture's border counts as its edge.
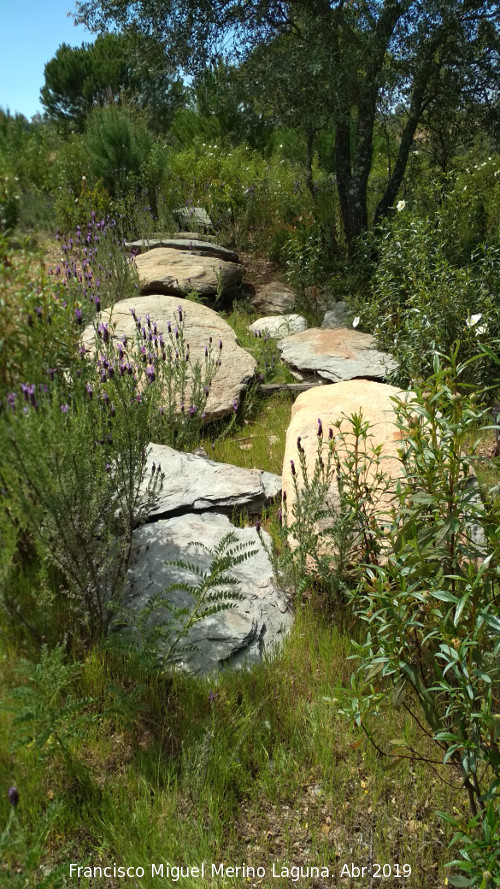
(196, 484)
(237, 637)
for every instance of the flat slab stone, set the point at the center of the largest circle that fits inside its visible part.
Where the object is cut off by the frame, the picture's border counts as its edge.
(178, 272)
(196, 484)
(274, 298)
(336, 355)
(279, 326)
(335, 317)
(235, 638)
(200, 323)
(329, 403)
(201, 248)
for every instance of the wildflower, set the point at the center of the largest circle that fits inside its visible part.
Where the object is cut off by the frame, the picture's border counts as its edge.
(89, 390)
(299, 446)
(51, 372)
(356, 321)
(108, 467)
(64, 408)
(212, 695)
(150, 373)
(11, 399)
(280, 516)
(192, 410)
(400, 206)
(292, 467)
(235, 406)
(179, 309)
(78, 316)
(330, 434)
(220, 345)
(320, 428)
(474, 319)
(97, 303)
(13, 795)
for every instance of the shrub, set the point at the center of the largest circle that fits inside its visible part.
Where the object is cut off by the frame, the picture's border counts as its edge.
(420, 301)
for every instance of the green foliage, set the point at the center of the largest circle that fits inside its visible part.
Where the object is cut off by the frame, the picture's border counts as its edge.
(118, 144)
(116, 67)
(422, 301)
(75, 435)
(158, 632)
(431, 606)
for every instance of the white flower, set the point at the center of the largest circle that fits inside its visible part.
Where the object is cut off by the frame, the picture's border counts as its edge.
(400, 206)
(481, 329)
(474, 319)
(356, 321)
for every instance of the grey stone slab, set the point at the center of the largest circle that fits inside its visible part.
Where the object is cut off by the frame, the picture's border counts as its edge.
(335, 355)
(236, 638)
(202, 248)
(197, 484)
(279, 326)
(179, 272)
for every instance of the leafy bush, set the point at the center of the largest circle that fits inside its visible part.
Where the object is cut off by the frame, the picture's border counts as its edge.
(420, 301)
(118, 145)
(431, 610)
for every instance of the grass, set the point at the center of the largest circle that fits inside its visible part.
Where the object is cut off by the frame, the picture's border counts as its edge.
(268, 772)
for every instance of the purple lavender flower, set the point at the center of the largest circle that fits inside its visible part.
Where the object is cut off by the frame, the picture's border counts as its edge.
(89, 390)
(212, 695)
(108, 467)
(220, 345)
(330, 434)
(148, 319)
(299, 445)
(292, 467)
(150, 373)
(78, 315)
(64, 408)
(179, 309)
(280, 516)
(97, 303)
(11, 399)
(13, 795)
(38, 312)
(51, 372)
(257, 526)
(192, 410)
(320, 428)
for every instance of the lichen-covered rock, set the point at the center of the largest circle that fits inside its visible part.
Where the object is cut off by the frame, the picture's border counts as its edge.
(274, 298)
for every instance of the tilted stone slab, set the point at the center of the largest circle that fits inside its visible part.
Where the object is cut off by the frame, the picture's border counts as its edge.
(202, 248)
(335, 355)
(196, 484)
(178, 272)
(200, 323)
(279, 326)
(235, 638)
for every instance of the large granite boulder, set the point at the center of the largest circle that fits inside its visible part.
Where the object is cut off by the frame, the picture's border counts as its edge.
(196, 484)
(329, 404)
(179, 272)
(238, 637)
(201, 248)
(340, 354)
(200, 323)
(279, 326)
(274, 298)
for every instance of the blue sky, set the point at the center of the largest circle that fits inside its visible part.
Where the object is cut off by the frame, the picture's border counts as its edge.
(30, 33)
